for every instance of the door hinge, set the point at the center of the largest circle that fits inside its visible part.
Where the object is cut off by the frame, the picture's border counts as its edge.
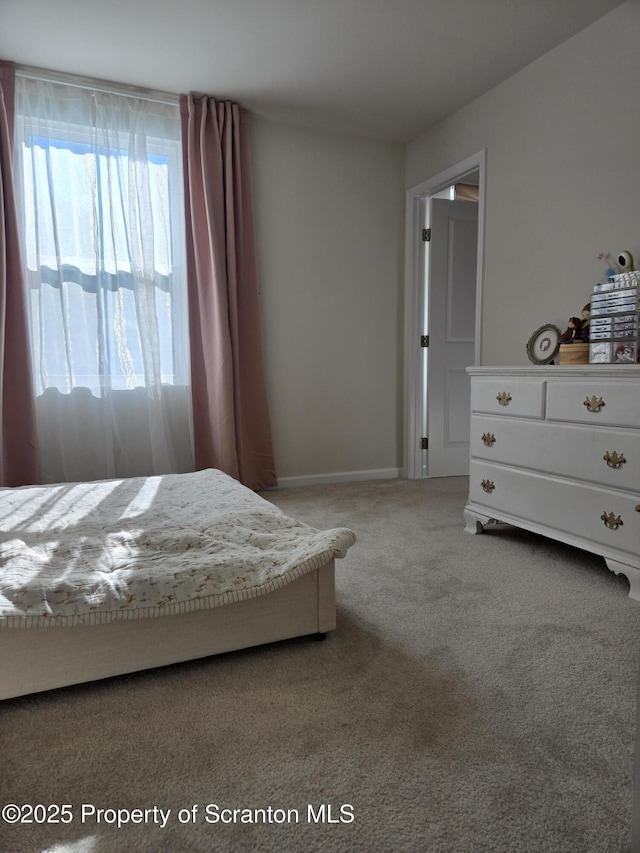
(424, 443)
(424, 341)
(426, 234)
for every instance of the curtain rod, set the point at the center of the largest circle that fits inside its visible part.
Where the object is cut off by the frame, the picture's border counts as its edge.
(81, 82)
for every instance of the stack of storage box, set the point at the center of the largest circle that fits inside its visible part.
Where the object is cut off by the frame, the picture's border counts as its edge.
(615, 321)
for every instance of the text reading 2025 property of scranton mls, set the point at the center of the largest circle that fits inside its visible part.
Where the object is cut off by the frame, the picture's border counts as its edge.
(212, 813)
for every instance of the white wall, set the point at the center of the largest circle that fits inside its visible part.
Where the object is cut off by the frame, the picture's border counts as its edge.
(563, 178)
(329, 221)
(563, 183)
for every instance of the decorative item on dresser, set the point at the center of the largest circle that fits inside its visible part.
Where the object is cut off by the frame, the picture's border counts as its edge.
(556, 450)
(544, 343)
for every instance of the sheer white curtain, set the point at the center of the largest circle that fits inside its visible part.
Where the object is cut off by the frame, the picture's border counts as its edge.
(100, 195)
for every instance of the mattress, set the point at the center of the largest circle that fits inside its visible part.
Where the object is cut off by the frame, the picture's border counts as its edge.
(91, 553)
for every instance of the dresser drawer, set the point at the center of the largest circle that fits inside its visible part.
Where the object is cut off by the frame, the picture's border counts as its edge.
(559, 505)
(570, 450)
(594, 401)
(514, 397)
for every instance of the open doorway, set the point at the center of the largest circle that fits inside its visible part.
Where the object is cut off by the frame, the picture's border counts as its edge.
(442, 317)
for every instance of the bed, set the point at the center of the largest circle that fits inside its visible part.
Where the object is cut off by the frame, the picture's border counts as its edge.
(115, 576)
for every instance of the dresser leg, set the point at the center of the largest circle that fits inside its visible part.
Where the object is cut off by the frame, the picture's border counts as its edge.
(632, 574)
(475, 521)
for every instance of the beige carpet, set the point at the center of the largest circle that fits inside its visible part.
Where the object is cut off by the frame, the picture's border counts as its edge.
(478, 695)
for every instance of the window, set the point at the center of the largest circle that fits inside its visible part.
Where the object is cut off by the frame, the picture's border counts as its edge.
(100, 189)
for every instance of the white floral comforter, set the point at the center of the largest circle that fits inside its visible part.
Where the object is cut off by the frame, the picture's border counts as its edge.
(84, 553)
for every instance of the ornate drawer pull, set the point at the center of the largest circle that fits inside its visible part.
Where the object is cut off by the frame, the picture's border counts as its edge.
(488, 485)
(612, 521)
(614, 459)
(489, 439)
(504, 398)
(594, 404)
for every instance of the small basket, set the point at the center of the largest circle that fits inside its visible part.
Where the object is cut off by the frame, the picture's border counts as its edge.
(574, 353)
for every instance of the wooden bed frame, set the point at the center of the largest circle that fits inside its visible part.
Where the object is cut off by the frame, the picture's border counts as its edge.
(37, 659)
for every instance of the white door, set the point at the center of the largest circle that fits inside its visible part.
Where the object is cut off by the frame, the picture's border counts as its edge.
(451, 316)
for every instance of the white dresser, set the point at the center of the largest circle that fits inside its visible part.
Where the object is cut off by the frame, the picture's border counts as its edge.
(556, 450)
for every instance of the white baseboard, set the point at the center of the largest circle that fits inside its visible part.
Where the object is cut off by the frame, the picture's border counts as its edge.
(340, 477)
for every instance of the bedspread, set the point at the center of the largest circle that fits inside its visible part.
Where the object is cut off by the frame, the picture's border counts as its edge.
(85, 553)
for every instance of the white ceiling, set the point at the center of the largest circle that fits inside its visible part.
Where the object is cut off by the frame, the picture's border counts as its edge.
(385, 69)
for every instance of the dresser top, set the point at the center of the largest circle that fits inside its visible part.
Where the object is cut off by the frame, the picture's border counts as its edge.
(550, 371)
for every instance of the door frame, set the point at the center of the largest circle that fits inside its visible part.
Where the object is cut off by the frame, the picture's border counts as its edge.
(415, 291)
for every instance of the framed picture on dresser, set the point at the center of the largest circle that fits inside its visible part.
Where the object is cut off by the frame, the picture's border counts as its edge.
(544, 344)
